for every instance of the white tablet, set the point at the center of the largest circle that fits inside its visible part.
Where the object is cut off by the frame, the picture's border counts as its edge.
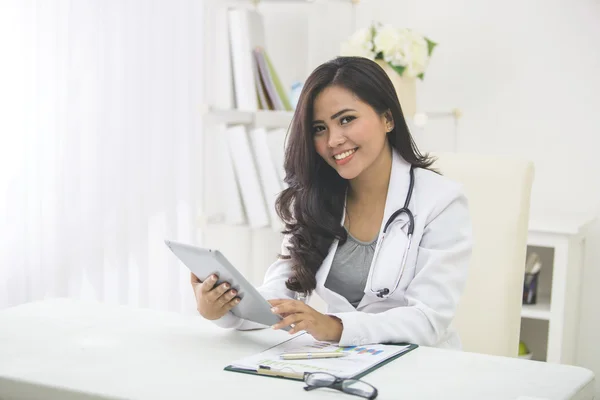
(205, 262)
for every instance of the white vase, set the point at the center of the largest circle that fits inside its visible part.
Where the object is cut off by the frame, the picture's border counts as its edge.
(406, 89)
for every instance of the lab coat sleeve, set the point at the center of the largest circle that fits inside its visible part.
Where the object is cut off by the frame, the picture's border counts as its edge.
(432, 296)
(273, 287)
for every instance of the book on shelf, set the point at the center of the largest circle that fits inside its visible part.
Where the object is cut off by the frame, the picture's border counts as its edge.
(256, 84)
(223, 197)
(276, 143)
(230, 193)
(247, 176)
(264, 100)
(277, 82)
(269, 178)
(269, 81)
(219, 88)
(246, 31)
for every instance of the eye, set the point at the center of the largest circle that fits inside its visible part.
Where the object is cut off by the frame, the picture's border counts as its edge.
(318, 129)
(347, 119)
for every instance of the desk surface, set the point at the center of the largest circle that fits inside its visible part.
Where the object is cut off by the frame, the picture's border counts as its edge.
(64, 349)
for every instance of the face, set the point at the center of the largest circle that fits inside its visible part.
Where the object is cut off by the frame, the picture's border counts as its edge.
(348, 133)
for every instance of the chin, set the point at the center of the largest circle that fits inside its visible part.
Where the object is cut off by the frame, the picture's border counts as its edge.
(348, 173)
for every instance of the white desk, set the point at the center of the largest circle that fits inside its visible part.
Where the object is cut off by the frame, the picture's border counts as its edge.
(62, 349)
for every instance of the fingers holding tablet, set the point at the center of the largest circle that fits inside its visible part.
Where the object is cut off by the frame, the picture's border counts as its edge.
(213, 301)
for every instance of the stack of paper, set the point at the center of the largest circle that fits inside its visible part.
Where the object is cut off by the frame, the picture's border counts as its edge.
(359, 359)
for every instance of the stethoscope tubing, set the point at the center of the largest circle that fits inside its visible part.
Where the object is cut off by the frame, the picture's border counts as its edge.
(385, 292)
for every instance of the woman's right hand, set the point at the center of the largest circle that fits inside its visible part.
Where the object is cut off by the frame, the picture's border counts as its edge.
(213, 302)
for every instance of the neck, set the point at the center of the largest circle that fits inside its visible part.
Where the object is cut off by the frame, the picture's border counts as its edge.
(371, 186)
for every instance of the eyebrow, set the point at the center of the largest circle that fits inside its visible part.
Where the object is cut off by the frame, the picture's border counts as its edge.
(334, 116)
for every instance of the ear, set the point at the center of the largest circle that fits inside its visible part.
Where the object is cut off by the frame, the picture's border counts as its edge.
(389, 121)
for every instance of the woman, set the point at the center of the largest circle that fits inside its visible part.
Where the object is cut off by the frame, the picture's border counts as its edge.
(349, 164)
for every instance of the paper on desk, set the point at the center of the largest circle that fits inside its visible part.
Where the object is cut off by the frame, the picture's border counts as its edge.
(359, 359)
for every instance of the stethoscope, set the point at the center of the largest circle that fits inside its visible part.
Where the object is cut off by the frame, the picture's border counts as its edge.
(385, 292)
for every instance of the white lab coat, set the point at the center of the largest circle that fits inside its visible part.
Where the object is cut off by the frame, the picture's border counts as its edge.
(421, 309)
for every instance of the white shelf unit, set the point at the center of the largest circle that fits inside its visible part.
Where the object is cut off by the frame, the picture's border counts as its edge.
(540, 310)
(259, 118)
(262, 118)
(549, 327)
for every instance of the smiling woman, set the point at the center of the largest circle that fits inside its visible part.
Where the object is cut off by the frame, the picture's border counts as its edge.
(348, 118)
(355, 176)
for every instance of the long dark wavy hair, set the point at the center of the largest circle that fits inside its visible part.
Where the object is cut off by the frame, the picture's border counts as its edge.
(312, 205)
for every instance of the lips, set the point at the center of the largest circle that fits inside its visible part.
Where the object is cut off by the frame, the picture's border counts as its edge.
(344, 157)
(345, 154)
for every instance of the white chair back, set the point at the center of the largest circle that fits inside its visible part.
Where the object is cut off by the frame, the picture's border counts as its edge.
(489, 314)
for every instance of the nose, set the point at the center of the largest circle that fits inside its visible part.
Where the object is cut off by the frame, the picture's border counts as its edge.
(336, 138)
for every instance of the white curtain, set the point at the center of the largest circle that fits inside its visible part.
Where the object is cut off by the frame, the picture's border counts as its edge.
(99, 137)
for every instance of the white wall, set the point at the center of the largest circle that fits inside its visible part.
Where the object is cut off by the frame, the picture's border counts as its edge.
(526, 75)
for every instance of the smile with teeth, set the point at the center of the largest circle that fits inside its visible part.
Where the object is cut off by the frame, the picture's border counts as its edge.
(343, 155)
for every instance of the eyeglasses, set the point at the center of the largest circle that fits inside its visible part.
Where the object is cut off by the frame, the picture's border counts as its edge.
(356, 387)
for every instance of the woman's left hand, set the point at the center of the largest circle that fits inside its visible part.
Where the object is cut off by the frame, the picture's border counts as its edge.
(320, 326)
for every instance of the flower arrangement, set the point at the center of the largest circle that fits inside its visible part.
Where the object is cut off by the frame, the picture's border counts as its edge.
(404, 50)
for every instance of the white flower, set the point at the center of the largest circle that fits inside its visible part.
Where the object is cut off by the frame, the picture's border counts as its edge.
(386, 40)
(403, 47)
(360, 44)
(416, 51)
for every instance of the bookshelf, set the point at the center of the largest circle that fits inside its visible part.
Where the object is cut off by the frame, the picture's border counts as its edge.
(219, 112)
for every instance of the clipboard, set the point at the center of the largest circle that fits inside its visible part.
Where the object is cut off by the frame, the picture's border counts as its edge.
(299, 376)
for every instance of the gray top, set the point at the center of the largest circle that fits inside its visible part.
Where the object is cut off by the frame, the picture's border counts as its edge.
(350, 269)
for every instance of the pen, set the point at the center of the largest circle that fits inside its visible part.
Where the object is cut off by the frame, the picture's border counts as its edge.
(265, 370)
(308, 356)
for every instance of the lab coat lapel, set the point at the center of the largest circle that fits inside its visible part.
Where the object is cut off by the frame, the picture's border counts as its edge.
(396, 196)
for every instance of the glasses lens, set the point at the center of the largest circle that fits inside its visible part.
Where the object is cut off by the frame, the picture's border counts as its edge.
(320, 379)
(358, 388)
